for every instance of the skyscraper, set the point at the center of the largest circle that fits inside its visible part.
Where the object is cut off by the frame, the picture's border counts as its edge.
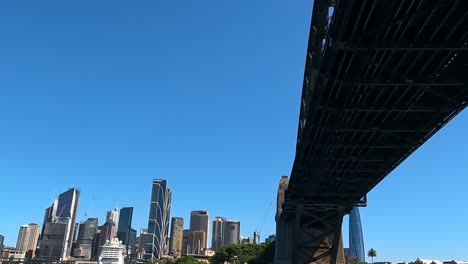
(2, 239)
(199, 239)
(33, 238)
(86, 234)
(112, 216)
(177, 232)
(185, 241)
(59, 225)
(282, 187)
(158, 222)
(125, 225)
(232, 232)
(199, 221)
(356, 239)
(23, 238)
(217, 238)
(142, 243)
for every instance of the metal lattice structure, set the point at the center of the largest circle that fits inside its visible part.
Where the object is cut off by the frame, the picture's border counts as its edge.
(381, 78)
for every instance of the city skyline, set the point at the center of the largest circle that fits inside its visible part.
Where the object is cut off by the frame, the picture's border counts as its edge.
(105, 97)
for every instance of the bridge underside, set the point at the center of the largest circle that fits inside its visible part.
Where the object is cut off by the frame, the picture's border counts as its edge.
(381, 77)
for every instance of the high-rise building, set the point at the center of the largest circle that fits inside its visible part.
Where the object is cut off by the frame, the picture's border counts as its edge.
(199, 221)
(356, 238)
(59, 225)
(112, 216)
(185, 241)
(132, 241)
(33, 238)
(2, 240)
(177, 232)
(125, 225)
(158, 222)
(232, 232)
(86, 234)
(23, 238)
(142, 243)
(199, 239)
(282, 187)
(217, 238)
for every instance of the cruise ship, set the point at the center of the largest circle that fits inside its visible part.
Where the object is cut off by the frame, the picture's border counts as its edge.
(113, 252)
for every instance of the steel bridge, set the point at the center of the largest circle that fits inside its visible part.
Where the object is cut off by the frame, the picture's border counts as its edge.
(381, 77)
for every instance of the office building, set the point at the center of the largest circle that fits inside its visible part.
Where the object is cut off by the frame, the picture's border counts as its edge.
(282, 187)
(199, 221)
(125, 225)
(132, 243)
(23, 239)
(85, 237)
(199, 240)
(33, 239)
(112, 216)
(356, 238)
(246, 240)
(142, 243)
(185, 241)
(2, 240)
(158, 222)
(177, 232)
(59, 225)
(232, 232)
(217, 237)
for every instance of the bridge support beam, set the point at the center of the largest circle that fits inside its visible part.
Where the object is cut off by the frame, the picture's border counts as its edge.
(310, 235)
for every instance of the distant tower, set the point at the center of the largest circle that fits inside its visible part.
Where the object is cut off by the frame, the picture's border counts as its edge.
(2, 239)
(59, 226)
(23, 238)
(142, 243)
(199, 221)
(217, 238)
(282, 187)
(112, 216)
(185, 241)
(356, 238)
(232, 232)
(177, 232)
(125, 225)
(87, 232)
(158, 222)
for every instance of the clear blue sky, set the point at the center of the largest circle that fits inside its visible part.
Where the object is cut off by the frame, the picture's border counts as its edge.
(107, 95)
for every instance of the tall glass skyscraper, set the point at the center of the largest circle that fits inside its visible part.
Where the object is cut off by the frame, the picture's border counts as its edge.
(158, 222)
(59, 226)
(125, 224)
(356, 239)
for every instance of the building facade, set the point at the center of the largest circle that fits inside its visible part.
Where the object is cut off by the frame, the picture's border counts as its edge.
(84, 243)
(217, 237)
(125, 225)
(185, 241)
(23, 238)
(2, 240)
(59, 225)
(199, 221)
(158, 222)
(282, 187)
(142, 243)
(177, 232)
(112, 216)
(356, 238)
(232, 232)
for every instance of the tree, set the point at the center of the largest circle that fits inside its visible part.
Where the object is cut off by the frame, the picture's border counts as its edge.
(372, 253)
(240, 253)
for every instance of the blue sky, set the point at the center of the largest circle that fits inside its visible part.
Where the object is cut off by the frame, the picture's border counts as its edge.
(107, 95)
